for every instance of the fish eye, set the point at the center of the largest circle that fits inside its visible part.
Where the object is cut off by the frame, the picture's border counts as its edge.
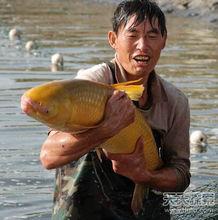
(201, 139)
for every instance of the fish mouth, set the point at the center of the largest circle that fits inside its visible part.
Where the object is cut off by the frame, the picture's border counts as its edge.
(142, 58)
(29, 106)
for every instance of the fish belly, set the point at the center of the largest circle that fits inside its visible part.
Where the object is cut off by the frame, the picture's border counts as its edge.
(125, 141)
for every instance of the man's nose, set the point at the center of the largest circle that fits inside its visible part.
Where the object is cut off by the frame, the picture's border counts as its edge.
(142, 43)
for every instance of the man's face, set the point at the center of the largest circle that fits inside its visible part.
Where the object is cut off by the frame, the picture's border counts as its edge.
(138, 47)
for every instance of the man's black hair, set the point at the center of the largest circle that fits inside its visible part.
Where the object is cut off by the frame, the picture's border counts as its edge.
(143, 9)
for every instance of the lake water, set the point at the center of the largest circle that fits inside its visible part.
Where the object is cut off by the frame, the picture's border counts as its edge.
(78, 30)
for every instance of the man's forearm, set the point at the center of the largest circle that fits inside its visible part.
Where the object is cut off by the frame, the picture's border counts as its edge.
(61, 148)
(165, 179)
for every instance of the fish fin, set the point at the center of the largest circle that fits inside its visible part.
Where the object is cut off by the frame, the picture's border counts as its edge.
(140, 191)
(132, 82)
(131, 88)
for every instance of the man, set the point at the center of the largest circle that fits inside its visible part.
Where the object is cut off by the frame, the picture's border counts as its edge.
(91, 188)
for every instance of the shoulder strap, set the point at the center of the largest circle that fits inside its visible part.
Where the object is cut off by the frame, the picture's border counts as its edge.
(112, 68)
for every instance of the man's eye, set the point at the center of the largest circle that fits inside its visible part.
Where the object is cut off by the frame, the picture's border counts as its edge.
(152, 36)
(132, 35)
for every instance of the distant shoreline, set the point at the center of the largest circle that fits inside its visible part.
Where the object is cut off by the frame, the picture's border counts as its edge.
(206, 10)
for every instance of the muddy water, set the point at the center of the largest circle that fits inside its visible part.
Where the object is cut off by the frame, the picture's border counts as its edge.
(78, 29)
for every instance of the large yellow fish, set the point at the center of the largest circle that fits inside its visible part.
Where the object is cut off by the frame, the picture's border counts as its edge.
(77, 105)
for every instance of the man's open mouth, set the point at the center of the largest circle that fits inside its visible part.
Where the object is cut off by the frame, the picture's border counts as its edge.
(142, 58)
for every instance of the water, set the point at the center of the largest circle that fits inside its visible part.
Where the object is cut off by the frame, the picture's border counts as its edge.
(78, 30)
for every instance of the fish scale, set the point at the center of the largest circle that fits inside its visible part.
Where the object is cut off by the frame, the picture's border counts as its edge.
(89, 106)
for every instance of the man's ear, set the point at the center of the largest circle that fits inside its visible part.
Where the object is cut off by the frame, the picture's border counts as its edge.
(112, 38)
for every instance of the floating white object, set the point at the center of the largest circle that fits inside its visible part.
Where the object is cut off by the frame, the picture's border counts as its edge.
(198, 142)
(57, 59)
(14, 34)
(30, 45)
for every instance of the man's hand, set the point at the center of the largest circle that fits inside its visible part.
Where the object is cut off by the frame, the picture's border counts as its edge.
(131, 165)
(119, 113)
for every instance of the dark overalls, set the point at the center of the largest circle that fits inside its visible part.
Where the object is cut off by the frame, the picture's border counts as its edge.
(89, 189)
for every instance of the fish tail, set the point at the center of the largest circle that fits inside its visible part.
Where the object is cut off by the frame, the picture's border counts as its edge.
(133, 90)
(140, 191)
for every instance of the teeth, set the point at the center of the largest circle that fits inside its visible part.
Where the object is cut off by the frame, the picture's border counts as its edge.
(142, 58)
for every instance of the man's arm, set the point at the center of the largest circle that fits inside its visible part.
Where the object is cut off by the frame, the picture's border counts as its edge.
(61, 148)
(133, 166)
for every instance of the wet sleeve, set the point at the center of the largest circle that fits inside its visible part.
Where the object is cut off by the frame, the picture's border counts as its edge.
(176, 150)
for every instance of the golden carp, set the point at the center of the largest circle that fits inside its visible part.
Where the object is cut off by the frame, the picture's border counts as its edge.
(77, 105)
